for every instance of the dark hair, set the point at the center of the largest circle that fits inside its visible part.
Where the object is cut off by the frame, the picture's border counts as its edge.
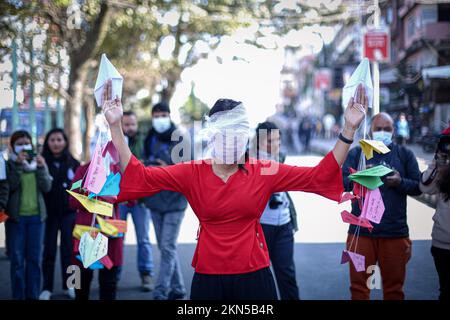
(17, 135)
(443, 182)
(225, 105)
(269, 127)
(161, 107)
(129, 113)
(46, 153)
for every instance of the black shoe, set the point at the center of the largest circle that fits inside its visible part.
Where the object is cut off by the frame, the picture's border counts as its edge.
(176, 296)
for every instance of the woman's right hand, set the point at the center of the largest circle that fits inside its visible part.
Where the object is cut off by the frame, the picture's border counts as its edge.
(112, 108)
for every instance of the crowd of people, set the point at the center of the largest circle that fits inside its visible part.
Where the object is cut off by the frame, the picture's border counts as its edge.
(247, 219)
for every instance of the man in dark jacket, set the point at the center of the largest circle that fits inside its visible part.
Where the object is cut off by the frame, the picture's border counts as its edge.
(388, 243)
(139, 213)
(167, 207)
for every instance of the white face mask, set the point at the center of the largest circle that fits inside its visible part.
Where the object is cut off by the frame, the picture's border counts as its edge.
(229, 149)
(18, 149)
(384, 136)
(161, 124)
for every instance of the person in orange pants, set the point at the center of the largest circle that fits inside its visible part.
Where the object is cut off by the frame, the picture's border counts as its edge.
(388, 244)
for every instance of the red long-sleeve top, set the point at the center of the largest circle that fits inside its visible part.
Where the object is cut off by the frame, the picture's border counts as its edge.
(84, 217)
(231, 239)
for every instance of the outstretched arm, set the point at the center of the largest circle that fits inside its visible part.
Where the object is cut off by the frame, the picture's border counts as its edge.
(354, 114)
(137, 180)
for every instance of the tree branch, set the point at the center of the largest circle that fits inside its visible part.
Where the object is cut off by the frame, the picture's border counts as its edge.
(94, 37)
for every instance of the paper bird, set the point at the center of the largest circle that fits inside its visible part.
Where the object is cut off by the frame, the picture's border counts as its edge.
(110, 188)
(92, 250)
(347, 217)
(370, 178)
(358, 260)
(93, 206)
(368, 146)
(105, 72)
(360, 75)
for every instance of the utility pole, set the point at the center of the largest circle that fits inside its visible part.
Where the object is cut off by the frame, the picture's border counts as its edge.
(32, 107)
(48, 116)
(59, 112)
(375, 66)
(15, 113)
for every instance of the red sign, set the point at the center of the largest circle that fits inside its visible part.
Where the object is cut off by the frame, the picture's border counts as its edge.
(322, 79)
(377, 45)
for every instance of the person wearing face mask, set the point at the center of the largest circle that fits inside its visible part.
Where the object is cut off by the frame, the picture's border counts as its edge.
(436, 180)
(28, 178)
(139, 213)
(60, 218)
(388, 243)
(231, 259)
(167, 207)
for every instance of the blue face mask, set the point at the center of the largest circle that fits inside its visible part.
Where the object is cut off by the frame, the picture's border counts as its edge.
(383, 136)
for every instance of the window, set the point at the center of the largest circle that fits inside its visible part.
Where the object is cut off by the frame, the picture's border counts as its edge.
(411, 26)
(429, 14)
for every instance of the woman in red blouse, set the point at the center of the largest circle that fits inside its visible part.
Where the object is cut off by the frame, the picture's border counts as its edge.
(231, 260)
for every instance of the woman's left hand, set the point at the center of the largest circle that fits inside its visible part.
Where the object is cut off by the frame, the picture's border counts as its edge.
(40, 161)
(356, 109)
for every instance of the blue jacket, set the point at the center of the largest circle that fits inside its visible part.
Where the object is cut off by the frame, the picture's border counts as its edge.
(393, 224)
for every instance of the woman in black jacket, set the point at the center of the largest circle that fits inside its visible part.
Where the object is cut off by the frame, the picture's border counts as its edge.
(62, 167)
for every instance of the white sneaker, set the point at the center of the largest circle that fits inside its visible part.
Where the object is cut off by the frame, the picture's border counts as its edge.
(70, 293)
(45, 295)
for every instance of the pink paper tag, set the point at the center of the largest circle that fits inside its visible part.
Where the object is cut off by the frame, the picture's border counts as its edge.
(111, 149)
(96, 176)
(347, 217)
(373, 208)
(359, 261)
(346, 196)
(106, 261)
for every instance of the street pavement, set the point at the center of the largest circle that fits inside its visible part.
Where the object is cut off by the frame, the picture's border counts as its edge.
(318, 247)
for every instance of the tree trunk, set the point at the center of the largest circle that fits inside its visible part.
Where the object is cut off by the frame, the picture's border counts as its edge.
(169, 90)
(72, 114)
(89, 111)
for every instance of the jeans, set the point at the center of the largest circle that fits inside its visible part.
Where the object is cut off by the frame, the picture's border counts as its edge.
(107, 280)
(392, 255)
(167, 228)
(141, 220)
(442, 262)
(280, 243)
(65, 224)
(25, 245)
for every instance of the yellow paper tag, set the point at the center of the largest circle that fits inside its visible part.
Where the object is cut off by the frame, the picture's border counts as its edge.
(107, 228)
(79, 229)
(92, 205)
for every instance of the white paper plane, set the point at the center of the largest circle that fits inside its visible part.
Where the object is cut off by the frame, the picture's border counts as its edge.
(360, 75)
(105, 72)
